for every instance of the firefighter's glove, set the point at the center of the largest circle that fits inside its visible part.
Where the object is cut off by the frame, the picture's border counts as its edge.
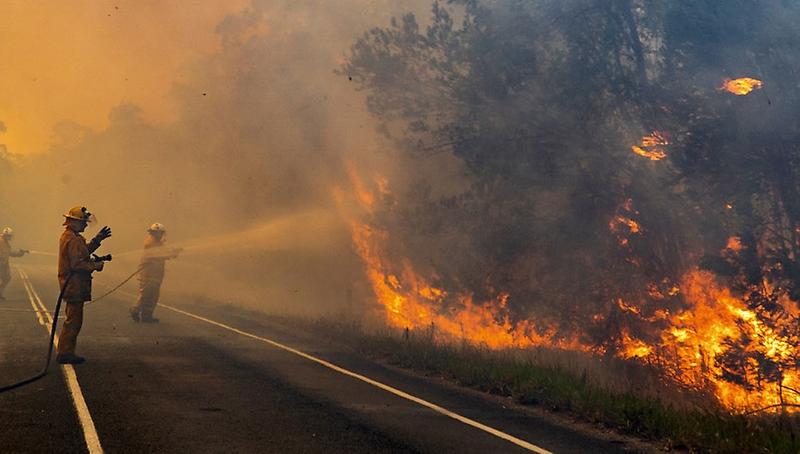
(104, 233)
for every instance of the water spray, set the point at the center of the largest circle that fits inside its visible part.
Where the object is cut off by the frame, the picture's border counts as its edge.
(231, 241)
(244, 239)
(46, 254)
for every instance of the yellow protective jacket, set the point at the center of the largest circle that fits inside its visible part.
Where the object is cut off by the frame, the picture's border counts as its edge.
(74, 257)
(156, 253)
(6, 253)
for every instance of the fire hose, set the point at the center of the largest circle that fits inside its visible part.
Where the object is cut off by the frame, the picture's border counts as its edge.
(119, 286)
(45, 369)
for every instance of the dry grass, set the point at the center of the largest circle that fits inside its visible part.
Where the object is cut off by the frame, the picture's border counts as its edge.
(624, 395)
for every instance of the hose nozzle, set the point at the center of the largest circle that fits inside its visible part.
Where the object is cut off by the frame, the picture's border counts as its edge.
(101, 258)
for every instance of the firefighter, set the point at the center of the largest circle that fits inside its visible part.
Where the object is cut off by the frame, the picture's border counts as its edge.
(75, 268)
(156, 253)
(5, 253)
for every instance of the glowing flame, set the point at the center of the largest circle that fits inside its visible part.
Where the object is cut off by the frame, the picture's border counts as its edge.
(655, 139)
(690, 346)
(622, 226)
(410, 301)
(634, 348)
(741, 86)
(632, 225)
(654, 155)
(734, 244)
(651, 146)
(365, 197)
(627, 307)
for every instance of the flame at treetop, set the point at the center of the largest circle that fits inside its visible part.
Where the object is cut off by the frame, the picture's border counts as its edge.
(741, 86)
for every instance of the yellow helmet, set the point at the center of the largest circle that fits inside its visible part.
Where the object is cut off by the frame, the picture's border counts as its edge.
(78, 213)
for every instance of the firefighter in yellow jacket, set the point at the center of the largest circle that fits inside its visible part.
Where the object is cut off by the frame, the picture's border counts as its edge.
(156, 253)
(75, 268)
(5, 253)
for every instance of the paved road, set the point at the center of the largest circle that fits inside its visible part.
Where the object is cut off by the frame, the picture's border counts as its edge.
(209, 379)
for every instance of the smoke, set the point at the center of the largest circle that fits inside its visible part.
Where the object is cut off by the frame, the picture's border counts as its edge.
(242, 176)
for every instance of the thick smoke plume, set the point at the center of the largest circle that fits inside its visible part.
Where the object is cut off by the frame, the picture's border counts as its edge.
(263, 130)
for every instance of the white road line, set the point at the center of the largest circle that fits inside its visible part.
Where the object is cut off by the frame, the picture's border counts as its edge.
(89, 431)
(84, 417)
(39, 317)
(510, 438)
(39, 303)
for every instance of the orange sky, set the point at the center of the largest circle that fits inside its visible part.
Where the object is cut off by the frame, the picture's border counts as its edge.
(77, 59)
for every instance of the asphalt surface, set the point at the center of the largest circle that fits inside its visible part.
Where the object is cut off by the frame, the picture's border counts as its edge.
(189, 385)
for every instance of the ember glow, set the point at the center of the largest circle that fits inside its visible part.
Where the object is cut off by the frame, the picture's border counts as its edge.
(741, 86)
(734, 244)
(632, 225)
(652, 146)
(623, 225)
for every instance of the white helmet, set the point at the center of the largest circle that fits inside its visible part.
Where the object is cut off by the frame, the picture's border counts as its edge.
(157, 227)
(8, 231)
